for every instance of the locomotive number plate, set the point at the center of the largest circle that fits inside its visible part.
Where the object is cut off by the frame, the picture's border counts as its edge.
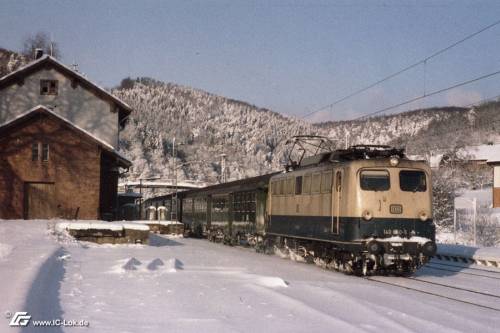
(396, 209)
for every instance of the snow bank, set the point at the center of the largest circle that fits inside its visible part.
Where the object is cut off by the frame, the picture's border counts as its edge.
(133, 265)
(272, 282)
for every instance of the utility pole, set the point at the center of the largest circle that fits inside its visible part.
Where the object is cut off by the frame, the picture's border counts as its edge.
(223, 168)
(474, 205)
(140, 191)
(174, 198)
(346, 140)
(454, 223)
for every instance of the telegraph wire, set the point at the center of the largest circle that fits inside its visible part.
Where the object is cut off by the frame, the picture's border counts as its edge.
(436, 92)
(405, 69)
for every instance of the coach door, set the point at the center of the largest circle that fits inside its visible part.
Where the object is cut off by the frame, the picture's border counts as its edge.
(336, 197)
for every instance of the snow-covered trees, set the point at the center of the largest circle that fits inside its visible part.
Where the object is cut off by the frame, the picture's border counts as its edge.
(205, 126)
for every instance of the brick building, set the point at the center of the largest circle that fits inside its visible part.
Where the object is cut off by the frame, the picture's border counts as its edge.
(58, 144)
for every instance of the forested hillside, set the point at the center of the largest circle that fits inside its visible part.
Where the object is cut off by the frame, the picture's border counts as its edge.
(10, 61)
(205, 126)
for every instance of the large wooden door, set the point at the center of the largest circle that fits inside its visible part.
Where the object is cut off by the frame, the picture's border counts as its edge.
(40, 201)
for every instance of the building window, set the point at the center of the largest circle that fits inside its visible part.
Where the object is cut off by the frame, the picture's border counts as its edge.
(45, 152)
(40, 151)
(34, 151)
(48, 87)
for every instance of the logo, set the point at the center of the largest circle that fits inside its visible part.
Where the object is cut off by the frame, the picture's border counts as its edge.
(20, 319)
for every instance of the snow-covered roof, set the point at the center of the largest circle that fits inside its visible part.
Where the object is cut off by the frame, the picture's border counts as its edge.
(98, 225)
(488, 153)
(47, 59)
(43, 109)
(433, 159)
(465, 200)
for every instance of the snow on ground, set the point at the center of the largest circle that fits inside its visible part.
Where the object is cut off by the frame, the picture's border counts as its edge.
(25, 249)
(485, 253)
(191, 285)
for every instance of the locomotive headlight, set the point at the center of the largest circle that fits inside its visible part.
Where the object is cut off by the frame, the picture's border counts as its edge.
(423, 216)
(367, 215)
(394, 161)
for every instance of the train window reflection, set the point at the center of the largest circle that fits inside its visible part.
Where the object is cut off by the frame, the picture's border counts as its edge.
(375, 180)
(412, 181)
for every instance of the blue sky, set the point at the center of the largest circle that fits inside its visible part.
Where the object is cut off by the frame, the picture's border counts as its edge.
(289, 56)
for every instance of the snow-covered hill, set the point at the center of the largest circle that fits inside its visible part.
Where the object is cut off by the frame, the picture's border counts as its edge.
(252, 138)
(10, 61)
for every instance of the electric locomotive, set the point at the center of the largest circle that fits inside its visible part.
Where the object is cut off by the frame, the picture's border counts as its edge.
(366, 209)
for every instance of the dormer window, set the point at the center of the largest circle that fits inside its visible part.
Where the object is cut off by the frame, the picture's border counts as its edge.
(48, 87)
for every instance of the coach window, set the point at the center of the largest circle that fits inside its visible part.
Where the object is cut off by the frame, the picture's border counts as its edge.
(375, 180)
(298, 185)
(316, 183)
(282, 186)
(326, 182)
(307, 184)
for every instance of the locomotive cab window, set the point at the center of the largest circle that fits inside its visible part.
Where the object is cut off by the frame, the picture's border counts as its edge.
(412, 181)
(375, 180)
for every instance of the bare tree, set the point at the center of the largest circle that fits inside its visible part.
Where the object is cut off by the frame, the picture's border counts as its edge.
(40, 40)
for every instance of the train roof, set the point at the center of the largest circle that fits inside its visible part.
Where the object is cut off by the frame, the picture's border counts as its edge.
(246, 184)
(353, 153)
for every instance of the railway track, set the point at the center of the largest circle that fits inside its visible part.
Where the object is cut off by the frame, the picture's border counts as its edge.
(464, 270)
(458, 294)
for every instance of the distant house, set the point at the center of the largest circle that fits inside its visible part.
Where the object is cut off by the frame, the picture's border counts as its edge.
(470, 156)
(59, 137)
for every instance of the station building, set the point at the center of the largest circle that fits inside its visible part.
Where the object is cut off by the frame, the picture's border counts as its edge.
(59, 137)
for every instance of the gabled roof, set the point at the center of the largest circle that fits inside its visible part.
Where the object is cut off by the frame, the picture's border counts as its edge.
(51, 62)
(40, 109)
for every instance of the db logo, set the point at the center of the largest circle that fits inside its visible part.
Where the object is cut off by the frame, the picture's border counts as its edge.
(20, 319)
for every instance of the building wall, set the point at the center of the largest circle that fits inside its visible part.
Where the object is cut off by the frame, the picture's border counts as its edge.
(79, 105)
(73, 167)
